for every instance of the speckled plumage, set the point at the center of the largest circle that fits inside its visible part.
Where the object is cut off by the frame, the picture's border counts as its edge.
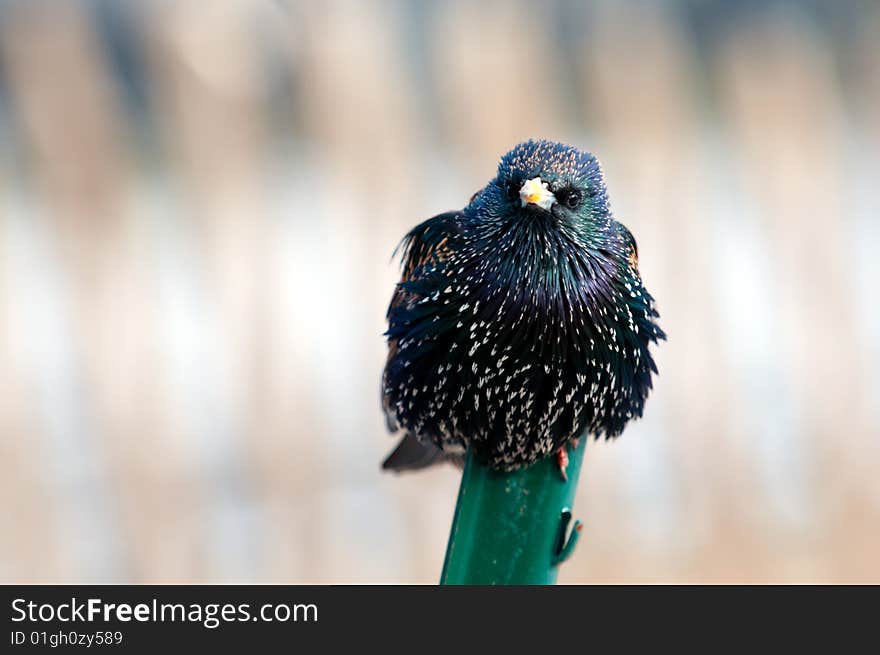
(515, 329)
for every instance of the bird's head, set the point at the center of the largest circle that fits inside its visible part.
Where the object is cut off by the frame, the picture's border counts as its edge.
(551, 184)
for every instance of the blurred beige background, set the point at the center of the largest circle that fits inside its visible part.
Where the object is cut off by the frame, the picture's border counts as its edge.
(198, 204)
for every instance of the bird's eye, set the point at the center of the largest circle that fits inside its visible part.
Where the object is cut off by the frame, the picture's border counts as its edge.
(511, 189)
(571, 198)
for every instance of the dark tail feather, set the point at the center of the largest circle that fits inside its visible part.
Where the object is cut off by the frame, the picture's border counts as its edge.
(412, 455)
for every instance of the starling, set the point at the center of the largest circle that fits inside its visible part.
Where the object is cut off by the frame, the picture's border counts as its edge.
(520, 322)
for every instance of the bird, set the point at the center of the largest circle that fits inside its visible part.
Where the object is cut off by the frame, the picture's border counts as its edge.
(521, 322)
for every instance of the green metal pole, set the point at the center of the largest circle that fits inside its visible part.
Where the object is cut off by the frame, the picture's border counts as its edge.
(512, 528)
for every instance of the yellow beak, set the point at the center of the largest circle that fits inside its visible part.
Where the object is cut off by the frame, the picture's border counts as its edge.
(536, 192)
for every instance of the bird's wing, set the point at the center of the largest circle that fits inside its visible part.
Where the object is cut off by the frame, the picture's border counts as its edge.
(632, 248)
(426, 245)
(422, 250)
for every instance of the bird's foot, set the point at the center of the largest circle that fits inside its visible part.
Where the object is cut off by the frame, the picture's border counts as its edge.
(575, 442)
(562, 462)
